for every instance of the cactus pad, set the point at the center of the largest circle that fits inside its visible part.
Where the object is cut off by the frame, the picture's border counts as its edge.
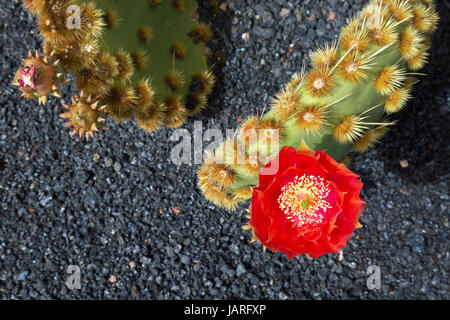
(339, 105)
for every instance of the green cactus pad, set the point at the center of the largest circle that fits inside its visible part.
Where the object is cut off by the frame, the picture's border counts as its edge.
(167, 26)
(120, 44)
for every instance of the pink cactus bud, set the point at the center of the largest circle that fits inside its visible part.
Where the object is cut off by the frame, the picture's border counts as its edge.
(27, 77)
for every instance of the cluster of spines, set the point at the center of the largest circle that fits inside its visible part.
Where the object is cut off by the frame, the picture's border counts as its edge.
(320, 101)
(110, 75)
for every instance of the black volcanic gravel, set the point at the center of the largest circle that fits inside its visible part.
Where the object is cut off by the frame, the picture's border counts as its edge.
(121, 211)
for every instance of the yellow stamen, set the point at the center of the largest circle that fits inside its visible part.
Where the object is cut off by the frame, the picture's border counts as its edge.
(304, 200)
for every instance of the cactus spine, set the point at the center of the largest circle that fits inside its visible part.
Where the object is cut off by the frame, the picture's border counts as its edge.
(339, 105)
(142, 59)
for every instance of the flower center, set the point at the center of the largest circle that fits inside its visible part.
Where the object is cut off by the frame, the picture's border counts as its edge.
(304, 202)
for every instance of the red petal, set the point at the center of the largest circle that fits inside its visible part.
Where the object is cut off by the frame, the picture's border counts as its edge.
(332, 166)
(284, 160)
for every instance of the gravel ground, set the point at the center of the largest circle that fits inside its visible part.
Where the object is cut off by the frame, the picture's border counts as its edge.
(138, 226)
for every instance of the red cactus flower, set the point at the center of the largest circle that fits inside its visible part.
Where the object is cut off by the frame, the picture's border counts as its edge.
(310, 206)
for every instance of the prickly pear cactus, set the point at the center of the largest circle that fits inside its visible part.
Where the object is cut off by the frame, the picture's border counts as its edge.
(140, 58)
(341, 104)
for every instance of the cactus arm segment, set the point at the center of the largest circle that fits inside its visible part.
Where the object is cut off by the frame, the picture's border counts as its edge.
(341, 104)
